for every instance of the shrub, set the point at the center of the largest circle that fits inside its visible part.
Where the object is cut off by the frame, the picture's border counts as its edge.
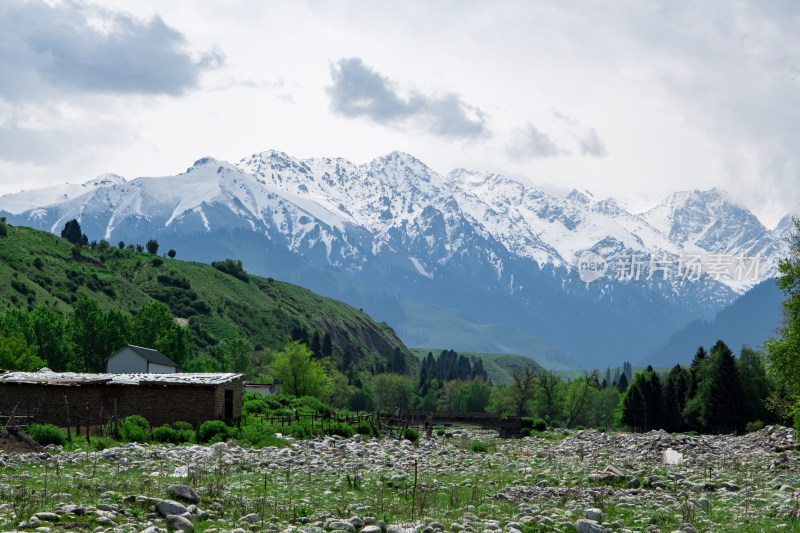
(180, 425)
(134, 428)
(184, 430)
(234, 268)
(261, 436)
(166, 434)
(157, 262)
(601, 429)
(215, 430)
(317, 405)
(343, 429)
(580, 428)
(100, 443)
(440, 432)
(46, 434)
(753, 426)
(255, 406)
(302, 430)
(539, 424)
(412, 435)
(525, 432)
(364, 428)
(479, 447)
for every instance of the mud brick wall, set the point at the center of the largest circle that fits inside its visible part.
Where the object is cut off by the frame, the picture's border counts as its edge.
(159, 404)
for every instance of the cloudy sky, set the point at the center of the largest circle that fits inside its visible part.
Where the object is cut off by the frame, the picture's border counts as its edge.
(624, 98)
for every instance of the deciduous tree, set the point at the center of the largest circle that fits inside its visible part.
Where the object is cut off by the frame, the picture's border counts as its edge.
(298, 373)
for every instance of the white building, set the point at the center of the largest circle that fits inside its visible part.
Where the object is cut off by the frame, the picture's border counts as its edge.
(135, 359)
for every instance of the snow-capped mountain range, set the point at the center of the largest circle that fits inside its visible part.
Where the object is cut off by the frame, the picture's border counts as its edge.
(404, 242)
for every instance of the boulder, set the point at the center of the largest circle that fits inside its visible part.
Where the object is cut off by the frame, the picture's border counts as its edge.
(179, 522)
(183, 493)
(589, 526)
(168, 507)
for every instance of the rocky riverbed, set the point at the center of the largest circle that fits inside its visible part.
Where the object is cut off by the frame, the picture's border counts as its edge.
(586, 481)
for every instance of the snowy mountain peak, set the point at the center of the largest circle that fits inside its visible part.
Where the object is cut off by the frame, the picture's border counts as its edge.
(203, 162)
(398, 203)
(104, 180)
(582, 197)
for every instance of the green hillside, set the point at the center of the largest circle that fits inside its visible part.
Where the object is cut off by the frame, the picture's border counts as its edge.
(41, 269)
(498, 366)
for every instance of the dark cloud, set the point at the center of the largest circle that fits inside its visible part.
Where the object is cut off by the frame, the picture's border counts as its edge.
(70, 46)
(592, 145)
(360, 91)
(531, 143)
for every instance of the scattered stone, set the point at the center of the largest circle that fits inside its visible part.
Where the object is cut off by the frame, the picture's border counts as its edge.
(183, 493)
(251, 518)
(672, 457)
(589, 526)
(178, 522)
(168, 507)
(593, 513)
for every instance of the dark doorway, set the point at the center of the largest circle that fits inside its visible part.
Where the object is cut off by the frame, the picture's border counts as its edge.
(228, 404)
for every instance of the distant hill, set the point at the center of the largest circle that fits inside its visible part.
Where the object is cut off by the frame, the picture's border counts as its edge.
(41, 269)
(498, 366)
(750, 320)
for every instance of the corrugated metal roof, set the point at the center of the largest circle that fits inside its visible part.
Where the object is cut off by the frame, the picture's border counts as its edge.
(154, 356)
(72, 378)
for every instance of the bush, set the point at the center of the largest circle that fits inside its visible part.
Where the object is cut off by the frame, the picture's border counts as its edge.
(234, 268)
(134, 428)
(316, 404)
(364, 428)
(580, 428)
(412, 435)
(214, 430)
(255, 406)
(479, 447)
(45, 434)
(539, 424)
(166, 434)
(100, 443)
(302, 430)
(753, 426)
(440, 432)
(157, 262)
(601, 429)
(343, 429)
(180, 425)
(261, 436)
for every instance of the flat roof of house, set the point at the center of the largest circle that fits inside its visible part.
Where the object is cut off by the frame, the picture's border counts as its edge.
(47, 377)
(154, 356)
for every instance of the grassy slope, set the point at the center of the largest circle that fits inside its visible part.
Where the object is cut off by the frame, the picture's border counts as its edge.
(498, 366)
(263, 311)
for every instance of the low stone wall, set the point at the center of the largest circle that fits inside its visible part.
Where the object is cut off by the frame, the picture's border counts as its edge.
(96, 403)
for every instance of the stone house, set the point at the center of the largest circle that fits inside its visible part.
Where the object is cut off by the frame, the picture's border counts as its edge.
(63, 398)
